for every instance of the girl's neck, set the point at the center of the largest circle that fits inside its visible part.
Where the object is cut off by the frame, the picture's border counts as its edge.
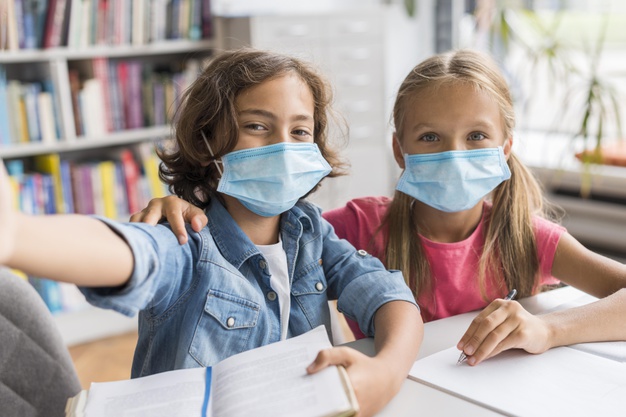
(443, 227)
(260, 230)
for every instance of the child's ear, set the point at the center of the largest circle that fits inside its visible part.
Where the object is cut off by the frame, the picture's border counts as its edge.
(507, 147)
(397, 151)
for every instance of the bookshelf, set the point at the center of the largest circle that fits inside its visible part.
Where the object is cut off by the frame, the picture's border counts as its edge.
(91, 85)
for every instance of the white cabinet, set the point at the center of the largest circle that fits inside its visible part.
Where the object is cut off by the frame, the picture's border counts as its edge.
(348, 46)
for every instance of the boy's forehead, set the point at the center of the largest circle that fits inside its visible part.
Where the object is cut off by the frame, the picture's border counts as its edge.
(286, 92)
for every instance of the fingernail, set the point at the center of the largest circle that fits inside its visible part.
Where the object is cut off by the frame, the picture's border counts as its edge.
(471, 361)
(181, 239)
(469, 350)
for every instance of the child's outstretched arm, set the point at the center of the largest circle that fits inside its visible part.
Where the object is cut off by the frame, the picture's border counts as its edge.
(505, 324)
(399, 333)
(69, 248)
(177, 212)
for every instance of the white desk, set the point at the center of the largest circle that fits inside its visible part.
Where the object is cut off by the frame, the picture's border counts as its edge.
(416, 398)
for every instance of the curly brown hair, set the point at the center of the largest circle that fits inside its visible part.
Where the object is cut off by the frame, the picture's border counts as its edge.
(208, 106)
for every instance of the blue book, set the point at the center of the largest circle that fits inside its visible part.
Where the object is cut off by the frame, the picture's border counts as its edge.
(66, 186)
(39, 9)
(5, 132)
(48, 86)
(31, 93)
(30, 29)
(49, 197)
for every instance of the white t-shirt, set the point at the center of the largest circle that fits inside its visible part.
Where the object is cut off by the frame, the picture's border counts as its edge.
(279, 281)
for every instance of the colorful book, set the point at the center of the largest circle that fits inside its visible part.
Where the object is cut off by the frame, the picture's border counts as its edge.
(108, 188)
(51, 164)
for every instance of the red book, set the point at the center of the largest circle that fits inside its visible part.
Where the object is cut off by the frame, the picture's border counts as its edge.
(55, 21)
(131, 178)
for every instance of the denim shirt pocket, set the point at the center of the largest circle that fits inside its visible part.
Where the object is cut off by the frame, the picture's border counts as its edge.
(309, 291)
(224, 327)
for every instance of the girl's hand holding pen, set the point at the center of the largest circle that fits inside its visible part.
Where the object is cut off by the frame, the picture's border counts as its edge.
(503, 325)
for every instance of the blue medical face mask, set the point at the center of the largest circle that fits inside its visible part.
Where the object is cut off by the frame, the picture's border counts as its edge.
(271, 179)
(455, 180)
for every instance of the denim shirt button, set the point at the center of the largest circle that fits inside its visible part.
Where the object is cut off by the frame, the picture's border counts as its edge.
(230, 322)
(271, 295)
(319, 286)
(362, 252)
(262, 264)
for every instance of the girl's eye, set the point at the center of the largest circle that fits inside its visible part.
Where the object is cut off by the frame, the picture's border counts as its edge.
(429, 137)
(476, 136)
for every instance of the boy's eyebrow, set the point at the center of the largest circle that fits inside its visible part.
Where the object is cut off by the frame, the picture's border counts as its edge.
(270, 115)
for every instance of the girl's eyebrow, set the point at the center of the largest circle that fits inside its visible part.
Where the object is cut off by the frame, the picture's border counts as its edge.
(270, 115)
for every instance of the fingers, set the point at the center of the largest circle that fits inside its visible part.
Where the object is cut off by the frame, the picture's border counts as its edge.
(491, 332)
(176, 211)
(334, 356)
(196, 217)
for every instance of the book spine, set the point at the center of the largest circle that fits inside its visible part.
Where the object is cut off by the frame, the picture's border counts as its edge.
(101, 72)
(55, 23)
(5, 130)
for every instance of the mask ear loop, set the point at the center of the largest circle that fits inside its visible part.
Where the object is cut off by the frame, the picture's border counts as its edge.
(217, 164)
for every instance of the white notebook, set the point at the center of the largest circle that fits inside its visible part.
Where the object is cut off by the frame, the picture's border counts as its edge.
(559, 382)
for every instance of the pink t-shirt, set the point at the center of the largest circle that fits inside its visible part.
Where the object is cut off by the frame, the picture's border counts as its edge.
(455, 289)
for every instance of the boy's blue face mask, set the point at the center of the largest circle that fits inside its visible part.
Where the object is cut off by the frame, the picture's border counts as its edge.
(271, 179)
(453, 181)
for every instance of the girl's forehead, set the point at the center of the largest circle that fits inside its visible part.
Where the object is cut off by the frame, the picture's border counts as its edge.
(448, 105)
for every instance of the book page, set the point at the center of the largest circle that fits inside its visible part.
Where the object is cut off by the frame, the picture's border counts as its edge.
(272, 381)
(177, 393)
(559, 382)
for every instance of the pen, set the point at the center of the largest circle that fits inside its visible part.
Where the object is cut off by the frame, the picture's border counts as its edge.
(511, 295)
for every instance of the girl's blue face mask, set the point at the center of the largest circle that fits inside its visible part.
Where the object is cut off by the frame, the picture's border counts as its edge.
(453, 181)
(271, 179)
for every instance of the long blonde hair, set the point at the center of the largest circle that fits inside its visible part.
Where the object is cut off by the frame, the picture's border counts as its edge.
(510, 250)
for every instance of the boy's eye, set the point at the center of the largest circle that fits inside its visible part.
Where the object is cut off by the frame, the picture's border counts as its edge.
(476, 136)
(301, 133)
(254, 126)
(429, 137)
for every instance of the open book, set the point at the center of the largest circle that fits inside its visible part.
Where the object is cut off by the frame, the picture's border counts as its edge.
(267, 381)
(559, 382)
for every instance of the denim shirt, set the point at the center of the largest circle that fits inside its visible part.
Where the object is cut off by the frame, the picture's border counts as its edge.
(211, 298)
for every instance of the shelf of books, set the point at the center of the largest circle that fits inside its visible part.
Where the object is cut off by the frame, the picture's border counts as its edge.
(88, 91)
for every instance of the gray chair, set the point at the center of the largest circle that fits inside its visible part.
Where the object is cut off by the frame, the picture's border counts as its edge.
(37, 375)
